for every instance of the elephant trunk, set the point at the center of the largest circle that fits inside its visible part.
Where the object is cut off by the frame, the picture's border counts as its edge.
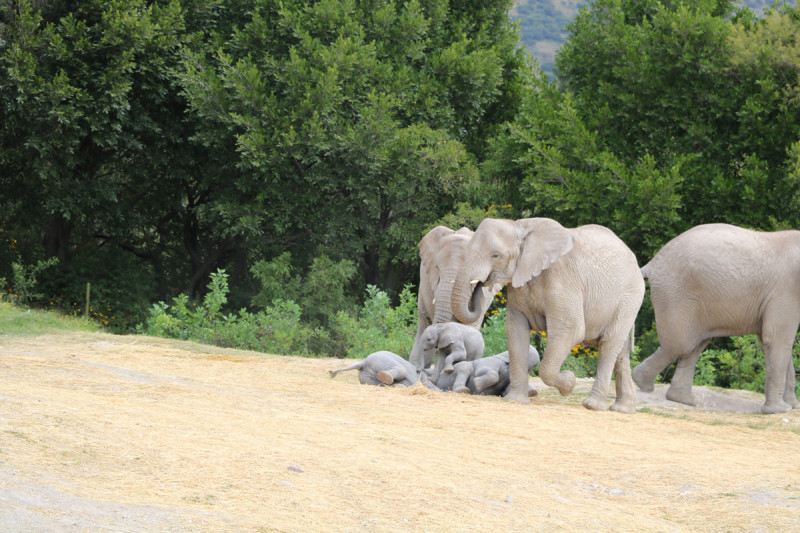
(444, 311)
(467, 298)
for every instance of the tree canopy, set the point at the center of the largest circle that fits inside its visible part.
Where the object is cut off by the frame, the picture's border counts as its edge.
(148, 143)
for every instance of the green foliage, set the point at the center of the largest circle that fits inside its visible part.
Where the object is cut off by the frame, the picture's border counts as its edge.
(354, 124)
(741, 368)
(378, 326)
(686, 85)
(280, 328)
(494, 332)
(277, 329)
(27, 322)
(24, 280)
(321, 291)
(554, 166)
(276, 280)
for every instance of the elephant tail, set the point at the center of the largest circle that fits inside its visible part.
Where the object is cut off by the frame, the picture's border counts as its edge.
(356, 366)
(646, 272)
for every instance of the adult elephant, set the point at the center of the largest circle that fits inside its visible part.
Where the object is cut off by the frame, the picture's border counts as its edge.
(718, 280)
(581, 286)
(441, 252)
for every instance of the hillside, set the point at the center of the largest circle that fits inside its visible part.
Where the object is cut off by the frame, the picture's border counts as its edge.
(113, 433)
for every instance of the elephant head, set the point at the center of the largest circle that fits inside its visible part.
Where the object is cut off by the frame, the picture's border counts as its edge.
(441, 252)
(439, 336)
(506, 251)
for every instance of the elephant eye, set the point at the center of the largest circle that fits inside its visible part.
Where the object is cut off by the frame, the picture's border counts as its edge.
(495, 256)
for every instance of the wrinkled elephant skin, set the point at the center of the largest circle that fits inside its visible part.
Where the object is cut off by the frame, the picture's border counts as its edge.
(386, 369)
(719, 280)
(581, 286)
(456, 342)
(489, 376)
(441, 253)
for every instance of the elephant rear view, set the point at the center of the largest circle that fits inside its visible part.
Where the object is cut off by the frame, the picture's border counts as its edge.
(719, 280)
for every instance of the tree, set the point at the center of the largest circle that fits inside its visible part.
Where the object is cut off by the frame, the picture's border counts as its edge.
(681, 81)
(553, 166)
(356, 123)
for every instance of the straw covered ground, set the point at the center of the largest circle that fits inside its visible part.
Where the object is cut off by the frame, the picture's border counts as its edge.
(109, 433)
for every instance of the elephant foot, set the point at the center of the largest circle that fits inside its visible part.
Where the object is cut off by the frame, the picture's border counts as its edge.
(776, 407)
(644, 384)
(594, 403)
(399, 386)
(532, 393)
(462, 389)
(517, 397)
(480, 383)
(448, 369)
(623, 407)
(683, 396)
(385, 377)
(792, 401)
(565, 382)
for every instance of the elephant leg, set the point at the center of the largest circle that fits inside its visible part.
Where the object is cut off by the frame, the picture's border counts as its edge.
(790, 390)
(626, 391)
(777, 342)
(644, 375)
(680, 388)
(419, 357)
(518, 336)
(606, 360)
(387, 377)
(559, 346)
(486, 379)
(458, 353)
(463, 371)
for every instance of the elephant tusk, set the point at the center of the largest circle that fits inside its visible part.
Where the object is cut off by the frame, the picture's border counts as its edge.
(474, 281)
(434, 300)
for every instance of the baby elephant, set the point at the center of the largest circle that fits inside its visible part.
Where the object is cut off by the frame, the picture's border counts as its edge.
(456, 342)
(386, 368)
(489, 376)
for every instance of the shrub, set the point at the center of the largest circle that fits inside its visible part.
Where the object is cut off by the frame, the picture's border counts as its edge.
(277, 329)
(379, 326)
(24, 279)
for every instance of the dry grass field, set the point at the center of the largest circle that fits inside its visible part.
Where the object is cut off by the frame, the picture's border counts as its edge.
(112, 433)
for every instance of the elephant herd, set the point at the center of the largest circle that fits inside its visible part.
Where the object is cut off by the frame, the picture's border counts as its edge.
(583, 286)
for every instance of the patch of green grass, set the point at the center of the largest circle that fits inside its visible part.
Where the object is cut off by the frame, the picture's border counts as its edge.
(19, 322)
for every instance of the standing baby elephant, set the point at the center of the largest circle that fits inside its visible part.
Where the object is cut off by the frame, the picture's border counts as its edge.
(386, 368)
(489, 376)
(456, 342)
(719, 280)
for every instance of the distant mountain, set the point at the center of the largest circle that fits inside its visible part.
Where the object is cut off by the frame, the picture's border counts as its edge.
(542, 22)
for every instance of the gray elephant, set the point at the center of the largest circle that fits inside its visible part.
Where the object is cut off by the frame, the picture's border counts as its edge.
(489, 376)
(386, 368)
(441, 252)
(456, 343)
(718, 280)
(581, 286)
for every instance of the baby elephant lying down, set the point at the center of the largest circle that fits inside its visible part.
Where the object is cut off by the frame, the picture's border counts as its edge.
(489, 376)
(386, 368)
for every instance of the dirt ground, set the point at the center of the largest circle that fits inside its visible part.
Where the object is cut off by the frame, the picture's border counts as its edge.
(135, 434)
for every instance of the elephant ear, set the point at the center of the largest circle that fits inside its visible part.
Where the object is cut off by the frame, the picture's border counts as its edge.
(544, 242)
(428, 248)
(504, 357)
(448, 337)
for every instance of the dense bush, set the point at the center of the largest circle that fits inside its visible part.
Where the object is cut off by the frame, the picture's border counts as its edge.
(280, 328)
